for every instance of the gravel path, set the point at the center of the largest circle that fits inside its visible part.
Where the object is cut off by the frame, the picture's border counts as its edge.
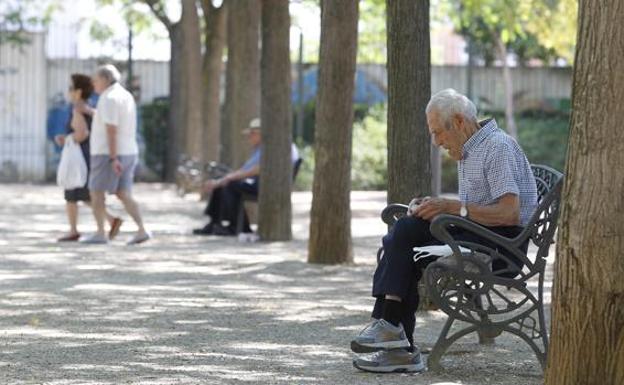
(200, 310)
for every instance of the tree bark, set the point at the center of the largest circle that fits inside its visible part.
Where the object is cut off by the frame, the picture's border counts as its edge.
(176, 121)
(215, 30)
(409, 91)
(274, 208)
(509, 102)
(191, 79)
(330, 226)
(242, 93)
(587, 345)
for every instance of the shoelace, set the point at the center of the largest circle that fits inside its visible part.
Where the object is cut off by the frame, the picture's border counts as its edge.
(366, 330)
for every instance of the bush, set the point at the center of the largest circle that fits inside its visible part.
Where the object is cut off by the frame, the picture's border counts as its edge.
(154, 129)
(368, 161)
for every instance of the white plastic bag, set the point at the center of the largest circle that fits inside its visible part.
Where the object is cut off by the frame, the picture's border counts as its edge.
(72, 169)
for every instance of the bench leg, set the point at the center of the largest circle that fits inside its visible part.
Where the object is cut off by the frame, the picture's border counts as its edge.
(444, 342)
(536, 335)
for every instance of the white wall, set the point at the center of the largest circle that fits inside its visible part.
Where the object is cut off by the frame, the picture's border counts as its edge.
(23, 110)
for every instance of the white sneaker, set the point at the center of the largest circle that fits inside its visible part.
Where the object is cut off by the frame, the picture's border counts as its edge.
(389, 361)
(139, 238)
(94, 239)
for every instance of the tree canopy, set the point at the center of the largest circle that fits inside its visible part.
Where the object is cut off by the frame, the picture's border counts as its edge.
(542, 29)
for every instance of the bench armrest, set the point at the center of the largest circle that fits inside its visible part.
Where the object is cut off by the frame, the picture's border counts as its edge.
(440, 225)
(393, 212)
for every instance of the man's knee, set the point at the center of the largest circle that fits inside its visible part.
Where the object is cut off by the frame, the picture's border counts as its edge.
(408, 227)
(123, 195)
(97, 196)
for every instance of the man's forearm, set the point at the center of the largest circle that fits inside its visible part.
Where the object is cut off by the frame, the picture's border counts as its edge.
(243, 174)
(506, 212)
(111, 135)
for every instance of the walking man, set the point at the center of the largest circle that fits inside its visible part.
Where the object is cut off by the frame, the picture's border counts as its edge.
(114, 153)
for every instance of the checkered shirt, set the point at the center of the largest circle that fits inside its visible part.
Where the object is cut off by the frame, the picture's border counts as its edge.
(492, 165)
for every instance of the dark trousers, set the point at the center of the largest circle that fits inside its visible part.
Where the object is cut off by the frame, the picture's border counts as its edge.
(398, 274)
(225, 202)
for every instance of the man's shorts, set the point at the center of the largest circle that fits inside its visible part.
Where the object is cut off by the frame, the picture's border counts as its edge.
(103, 178)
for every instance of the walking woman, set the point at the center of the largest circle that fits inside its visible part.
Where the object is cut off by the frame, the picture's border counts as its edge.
(79, 128)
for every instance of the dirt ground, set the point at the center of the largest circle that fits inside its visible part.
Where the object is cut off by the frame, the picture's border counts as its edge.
(183, 309)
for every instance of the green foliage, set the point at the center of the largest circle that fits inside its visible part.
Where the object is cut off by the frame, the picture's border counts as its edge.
(19, 16)
(543, 29)
(134, 13)
(369, 167)
(154, 129)
(360, 111)
(369, 158)
(372, 32)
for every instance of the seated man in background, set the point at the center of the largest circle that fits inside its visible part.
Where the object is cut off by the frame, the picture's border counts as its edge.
(496, 190)
(226, 192)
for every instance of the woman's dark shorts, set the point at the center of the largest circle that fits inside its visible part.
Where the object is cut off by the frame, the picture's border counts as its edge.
(77, 194)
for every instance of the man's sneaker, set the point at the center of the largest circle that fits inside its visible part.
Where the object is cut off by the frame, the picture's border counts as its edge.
(388, 361)
(378, 335)
(94, 239)
(139, 238)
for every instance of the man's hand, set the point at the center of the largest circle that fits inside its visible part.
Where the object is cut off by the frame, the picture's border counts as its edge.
(413, 205)
(429, 208)
(116, 165)
(84, 108)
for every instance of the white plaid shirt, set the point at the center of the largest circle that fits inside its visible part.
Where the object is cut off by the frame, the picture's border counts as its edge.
(492, 165)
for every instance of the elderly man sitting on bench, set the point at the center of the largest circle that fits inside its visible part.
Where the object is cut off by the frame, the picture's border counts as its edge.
(226, 192)
(496, 190)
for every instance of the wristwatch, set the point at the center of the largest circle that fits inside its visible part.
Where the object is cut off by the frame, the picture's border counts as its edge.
(463, 210)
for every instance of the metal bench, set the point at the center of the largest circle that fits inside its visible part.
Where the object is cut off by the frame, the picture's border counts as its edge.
(464, 287)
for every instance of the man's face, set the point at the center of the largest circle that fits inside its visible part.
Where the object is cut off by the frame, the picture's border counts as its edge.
(99, 84)
(449, 136)
(253, 137)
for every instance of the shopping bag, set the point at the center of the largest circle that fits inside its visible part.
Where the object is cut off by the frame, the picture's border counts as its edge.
(72, 170)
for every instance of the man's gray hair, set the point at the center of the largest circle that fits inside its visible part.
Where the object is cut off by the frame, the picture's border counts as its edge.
(449, 102)
(108, 72)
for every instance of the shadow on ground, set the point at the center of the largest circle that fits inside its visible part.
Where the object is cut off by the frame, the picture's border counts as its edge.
(188, 310)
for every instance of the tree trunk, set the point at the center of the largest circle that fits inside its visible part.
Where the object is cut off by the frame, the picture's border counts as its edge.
(274, 208)
(409, 91)
(176, 121)
(330, 226)
(509, 102)
(242, 92)
(587, 345)
(191, 79)
(215, 28)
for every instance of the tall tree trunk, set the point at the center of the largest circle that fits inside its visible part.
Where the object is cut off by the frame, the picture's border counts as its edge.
(191, 79)
(176, 122)
(274, 209)
(587, 345)
(409, 91)
(176, 116)
(509, 102)
(242, 90)
(330, 226)
(215, 29)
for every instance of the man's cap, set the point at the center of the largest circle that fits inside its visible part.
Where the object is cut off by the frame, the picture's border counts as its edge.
(254, 124)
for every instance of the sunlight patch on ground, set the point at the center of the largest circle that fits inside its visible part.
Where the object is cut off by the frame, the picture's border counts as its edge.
(127, 288)
(55, 333)
(95, 267)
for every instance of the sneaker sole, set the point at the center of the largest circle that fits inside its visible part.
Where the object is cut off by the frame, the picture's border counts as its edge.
(357, 347)
(391, 368)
